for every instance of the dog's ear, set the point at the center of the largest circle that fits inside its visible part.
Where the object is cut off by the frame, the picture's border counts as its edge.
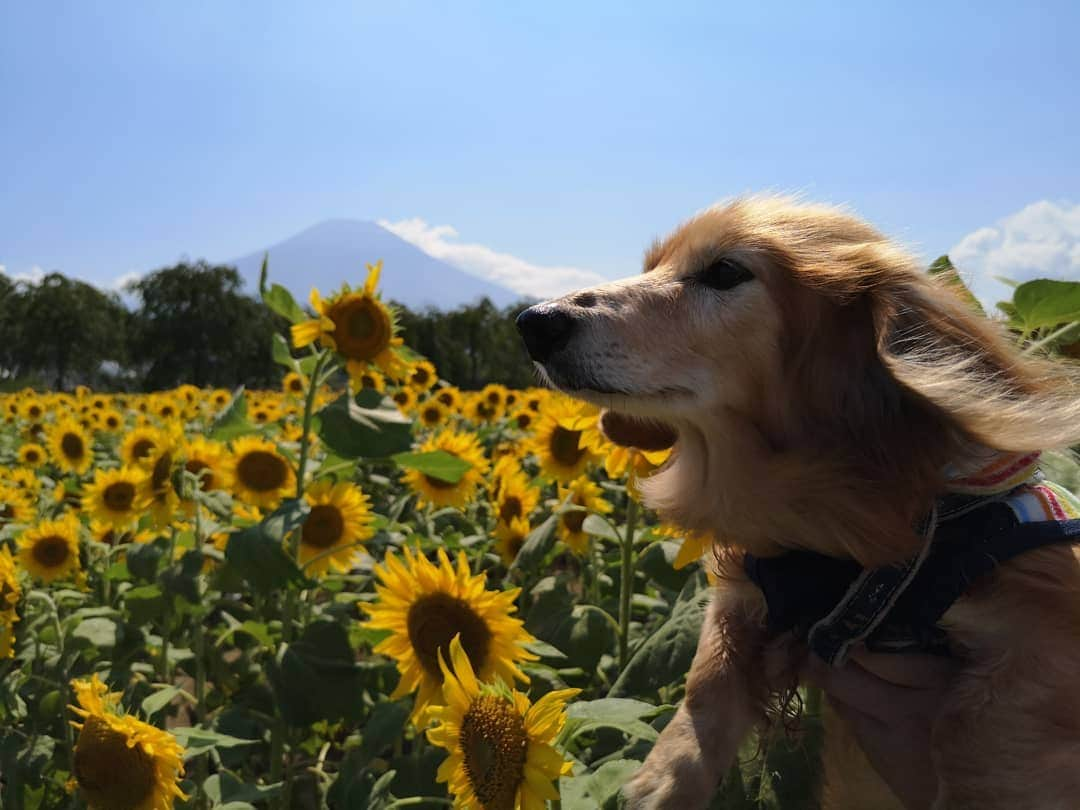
(643, 434)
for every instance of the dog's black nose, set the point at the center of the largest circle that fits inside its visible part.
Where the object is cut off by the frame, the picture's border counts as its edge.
(546, 329)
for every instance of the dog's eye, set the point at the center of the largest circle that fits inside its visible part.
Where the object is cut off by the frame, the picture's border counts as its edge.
(723, 274)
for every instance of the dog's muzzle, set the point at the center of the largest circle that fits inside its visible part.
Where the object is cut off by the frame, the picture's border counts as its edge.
(546, 329)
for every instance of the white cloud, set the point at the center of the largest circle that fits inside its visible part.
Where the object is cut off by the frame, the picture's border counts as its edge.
(510, 271)
(1041, 240)
(120, 282)
(33, 275)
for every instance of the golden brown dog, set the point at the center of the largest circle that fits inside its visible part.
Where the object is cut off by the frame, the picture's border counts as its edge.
(816, 382)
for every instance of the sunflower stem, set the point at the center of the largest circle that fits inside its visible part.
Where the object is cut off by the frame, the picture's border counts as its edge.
(626, 583)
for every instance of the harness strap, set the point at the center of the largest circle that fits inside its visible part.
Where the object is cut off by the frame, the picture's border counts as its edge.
(868, 601)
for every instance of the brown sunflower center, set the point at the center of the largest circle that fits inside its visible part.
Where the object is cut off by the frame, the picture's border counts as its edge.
(420, 376)
(32, 456)
(202, 471)
(564, 446)
(362, 328)
(119, 496)
(524, 419)
(110, 773)
(430, 415)
(262, 471)
(510, 508)
(141, 449)
(296, 385)
(51, 551)
(323, 527)
(446, 398)
(71, 445)
(495, 747)
(434, 620)
(575, 519)
(34, 411)
(160, 476)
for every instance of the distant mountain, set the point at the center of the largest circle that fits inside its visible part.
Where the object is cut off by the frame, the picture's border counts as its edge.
(335, 251)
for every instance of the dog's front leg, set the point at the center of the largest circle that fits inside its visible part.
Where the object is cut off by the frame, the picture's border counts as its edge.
(723, 701)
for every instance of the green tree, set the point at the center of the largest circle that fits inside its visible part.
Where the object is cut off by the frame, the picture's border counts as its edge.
(472, 345)
(63, 329)
(194, 325)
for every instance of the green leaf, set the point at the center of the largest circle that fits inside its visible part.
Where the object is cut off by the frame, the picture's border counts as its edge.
(436, 464)
(232, 422)
(664, 657)
(944, 269)
(281, 301)
(224, 787)
(584, 633)
(1044, 303)
(279, 349)
(257, 553)
(545, 650)
(263, 274)
(200, 740)
(599, 789)
(157, 701)
(537, 545)
(143, 558)
(600, 527)
(97, 632)
(352, 430)
(317, 678)
(657, 562)
(384, 726)
(622, 714)
(145, 603)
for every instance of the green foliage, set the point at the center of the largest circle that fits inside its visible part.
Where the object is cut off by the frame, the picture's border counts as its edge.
(194, 325)
(472, 345)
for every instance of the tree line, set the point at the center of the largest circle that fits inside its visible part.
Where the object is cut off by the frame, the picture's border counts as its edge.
(193, 323)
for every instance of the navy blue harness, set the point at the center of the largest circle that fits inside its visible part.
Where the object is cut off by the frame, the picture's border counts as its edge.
(833, 604)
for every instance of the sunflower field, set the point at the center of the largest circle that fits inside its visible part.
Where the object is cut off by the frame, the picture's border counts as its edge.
(367, 589)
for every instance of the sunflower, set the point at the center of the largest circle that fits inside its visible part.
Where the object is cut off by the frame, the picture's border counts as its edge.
(693, 546)
(33, 409)
(500, 748)
(566, 438)
(110, 420)
(510, 537)
(432, 413)
(358, 326)
(109, 535)
(425, 605)
(264, 412)
(523, 419)
(422, 376)
(259, 473)
(477, 409)
(588, 496)
(495, 397)
(340, 517)
(464, 446)
(205, 459)
(631, 462)
(139, 445)
(293, 384)
(116, 497)
(516, 499)
(16, 505)
(50, 550)
(10, 593)
(535, 398)
(32, 454)
(450, 396)
(70, 447)
(22, 478)
(369, 380)
(164, 500)
(405, 399)
(120, 762)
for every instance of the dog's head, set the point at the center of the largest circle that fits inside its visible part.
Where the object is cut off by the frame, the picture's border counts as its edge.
(728, 305)
(800, 336)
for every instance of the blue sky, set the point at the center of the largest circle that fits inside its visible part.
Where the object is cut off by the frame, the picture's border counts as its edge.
(562, 135)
